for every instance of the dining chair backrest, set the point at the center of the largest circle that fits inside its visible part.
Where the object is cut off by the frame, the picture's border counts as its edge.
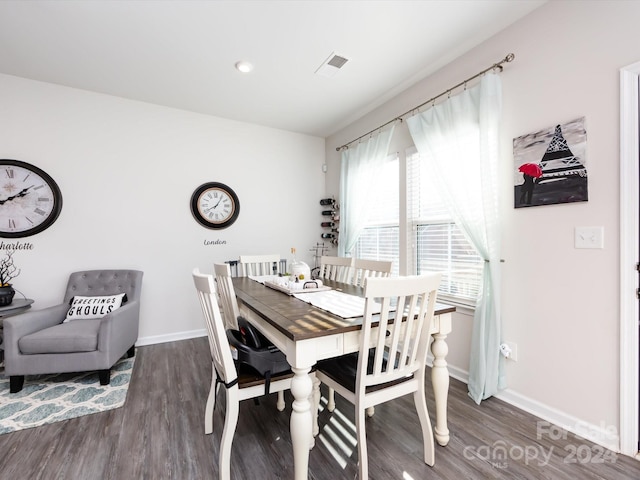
(363, 268)
(259, 264)
(216, 332)
(226, 295)
(336, 268)
(402, 350)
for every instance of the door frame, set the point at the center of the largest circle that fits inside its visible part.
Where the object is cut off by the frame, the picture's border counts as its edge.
(629, 253)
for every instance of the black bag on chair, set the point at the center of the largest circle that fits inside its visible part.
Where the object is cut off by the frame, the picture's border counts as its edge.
(255, 351)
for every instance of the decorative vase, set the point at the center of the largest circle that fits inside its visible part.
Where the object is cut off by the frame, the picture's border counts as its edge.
(6, 295)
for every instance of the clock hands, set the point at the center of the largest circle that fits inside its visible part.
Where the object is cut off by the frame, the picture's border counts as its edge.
(207, 210)
(22, 193)
(218, 203)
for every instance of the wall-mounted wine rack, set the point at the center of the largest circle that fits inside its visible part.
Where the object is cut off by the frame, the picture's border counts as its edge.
(331, 219)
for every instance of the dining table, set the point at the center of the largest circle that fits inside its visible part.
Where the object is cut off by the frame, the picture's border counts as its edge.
(307, 334)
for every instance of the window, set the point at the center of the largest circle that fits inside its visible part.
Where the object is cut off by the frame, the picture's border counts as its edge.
(380, 238)
(380, 243)
(436, 242)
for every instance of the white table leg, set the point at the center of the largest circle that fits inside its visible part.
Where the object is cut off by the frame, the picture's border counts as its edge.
(440, 382)
(301, 428)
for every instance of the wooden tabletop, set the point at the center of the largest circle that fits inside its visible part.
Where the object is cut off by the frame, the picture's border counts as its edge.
(296, 319)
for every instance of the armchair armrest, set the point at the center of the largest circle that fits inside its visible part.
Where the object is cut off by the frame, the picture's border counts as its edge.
(17, 326)
(119, 329)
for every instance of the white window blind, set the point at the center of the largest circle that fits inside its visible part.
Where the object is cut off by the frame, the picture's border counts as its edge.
(436, 243)
(380, 243)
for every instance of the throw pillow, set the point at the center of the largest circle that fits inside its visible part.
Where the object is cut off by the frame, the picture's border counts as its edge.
(87, 308)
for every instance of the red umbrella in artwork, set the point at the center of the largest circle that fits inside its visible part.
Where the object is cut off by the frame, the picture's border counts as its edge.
(531, 169)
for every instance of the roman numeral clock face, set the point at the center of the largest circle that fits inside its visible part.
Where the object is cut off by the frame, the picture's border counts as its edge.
(30, 200)
(215, 205)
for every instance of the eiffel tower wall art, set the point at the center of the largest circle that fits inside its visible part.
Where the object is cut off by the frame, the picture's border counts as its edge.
(551, 166)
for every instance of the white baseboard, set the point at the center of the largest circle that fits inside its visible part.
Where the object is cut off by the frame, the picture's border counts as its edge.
(172, 337)
(458, 374)
(454, 372)
(603, 435)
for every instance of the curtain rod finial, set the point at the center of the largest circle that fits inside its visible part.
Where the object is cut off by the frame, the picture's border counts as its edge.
(510, 57)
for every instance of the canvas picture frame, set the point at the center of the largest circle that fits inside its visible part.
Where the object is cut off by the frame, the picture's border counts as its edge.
(551, 165)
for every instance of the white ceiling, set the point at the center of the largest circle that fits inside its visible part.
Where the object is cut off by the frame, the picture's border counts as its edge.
(182, 53)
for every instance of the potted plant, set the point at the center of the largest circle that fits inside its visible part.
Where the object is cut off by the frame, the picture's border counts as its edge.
(8, 271)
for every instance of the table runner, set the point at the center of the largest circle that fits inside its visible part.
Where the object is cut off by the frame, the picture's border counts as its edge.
(262, 278)
(338, 303)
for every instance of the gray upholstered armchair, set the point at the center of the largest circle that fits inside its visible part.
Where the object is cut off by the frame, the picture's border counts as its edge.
(39, 341)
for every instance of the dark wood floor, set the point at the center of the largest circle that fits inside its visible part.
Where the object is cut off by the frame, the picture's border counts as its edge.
(159, 434)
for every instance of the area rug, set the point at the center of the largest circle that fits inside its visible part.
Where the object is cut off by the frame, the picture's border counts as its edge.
(52, 398)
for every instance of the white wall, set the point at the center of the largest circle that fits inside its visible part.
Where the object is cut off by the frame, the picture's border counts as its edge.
(560, 304)
(127, 171)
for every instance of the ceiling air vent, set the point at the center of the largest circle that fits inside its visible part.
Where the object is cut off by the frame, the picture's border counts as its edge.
(331, 65)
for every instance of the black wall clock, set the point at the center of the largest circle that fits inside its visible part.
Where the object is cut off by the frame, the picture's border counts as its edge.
(30, 200)
(215, 205)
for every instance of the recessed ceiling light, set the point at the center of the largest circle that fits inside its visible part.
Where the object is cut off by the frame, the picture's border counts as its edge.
(244, 67)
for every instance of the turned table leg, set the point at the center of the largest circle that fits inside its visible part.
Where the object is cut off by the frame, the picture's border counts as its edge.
(301, 428)
(440, 381)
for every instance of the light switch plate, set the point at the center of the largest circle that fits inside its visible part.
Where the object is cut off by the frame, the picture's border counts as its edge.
(589, 237)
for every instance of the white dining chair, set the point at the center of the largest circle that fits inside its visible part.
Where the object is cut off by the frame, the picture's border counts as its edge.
(259, 264)
(361, 269)
(230, 310)
(336, 268)
(364, 268)
(396, 364)
(238, 386)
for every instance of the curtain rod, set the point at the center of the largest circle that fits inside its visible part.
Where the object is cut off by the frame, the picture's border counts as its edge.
(498, 65)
